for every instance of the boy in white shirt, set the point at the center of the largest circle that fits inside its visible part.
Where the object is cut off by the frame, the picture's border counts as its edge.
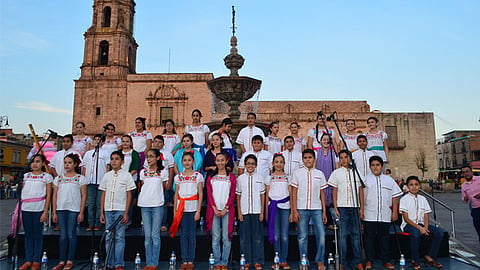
(246, 134)
(381, 207)
(56, 163)
(264, 158)
(89, 170)
(250, 202)
(362, 156)
(117, 186)
(308, 200)
(293, 159)
(347, 199)
(414, 209)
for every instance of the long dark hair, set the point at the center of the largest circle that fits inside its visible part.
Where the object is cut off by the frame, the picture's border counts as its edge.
(159, 161)
(222, 144)
(173, 124)
(226, 161)
(76, 161)
(142, 119)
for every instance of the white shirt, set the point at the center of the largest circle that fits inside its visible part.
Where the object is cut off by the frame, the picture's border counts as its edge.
(80, 145)
(187, 187)
(127, 161)
(278, 189)
(313, 132)
(375, 140)
(293, 161)
(250, 187)
(343, 179)
(246, 134)
(264, 161)
(90, 164)
(57, 160)
(274, 144)
(115, 185)
(227, 144)
(151, 194)
(170, 141)
(140, 140)
(69, 196)
(351, 141)
(198, 133)
(35, 186)
(361, 159)
(299, 142)
(309, 183)
(378, 193)
(416, 207)
(112, 145)
(220, 190)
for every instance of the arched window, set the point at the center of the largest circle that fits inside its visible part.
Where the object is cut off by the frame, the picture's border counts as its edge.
(103, 56)
(107, 14)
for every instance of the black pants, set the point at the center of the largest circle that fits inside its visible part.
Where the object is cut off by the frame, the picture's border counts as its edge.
(372, 231)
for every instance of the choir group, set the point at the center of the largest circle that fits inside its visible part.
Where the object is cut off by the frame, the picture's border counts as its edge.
(308, 181)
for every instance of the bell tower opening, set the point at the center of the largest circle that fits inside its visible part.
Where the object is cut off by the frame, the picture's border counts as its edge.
(107, 14)
(103, 54)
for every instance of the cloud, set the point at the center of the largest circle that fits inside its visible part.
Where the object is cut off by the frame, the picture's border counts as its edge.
(40, 106)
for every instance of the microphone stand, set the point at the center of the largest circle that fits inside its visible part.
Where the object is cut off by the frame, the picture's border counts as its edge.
(112, 231)
(96, 155)
(362, 183)
(19, 182)
(337, 229)
(430, 182)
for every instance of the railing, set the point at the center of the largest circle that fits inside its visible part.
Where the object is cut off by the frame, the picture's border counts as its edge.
(452, 212)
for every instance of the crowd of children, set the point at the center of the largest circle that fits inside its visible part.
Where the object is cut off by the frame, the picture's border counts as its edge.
(280, 181)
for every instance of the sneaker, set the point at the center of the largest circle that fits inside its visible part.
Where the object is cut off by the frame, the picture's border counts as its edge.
(57, 229)
(89, 228)
(258, 266)
(119, 267)
(25, 266)
(359, 266)
(285, 266)
(35, 266)
(97, 228)
(247, 266)
(146, 268)
(368, 265)
(320, 266)
(218, 267)
(224, 267)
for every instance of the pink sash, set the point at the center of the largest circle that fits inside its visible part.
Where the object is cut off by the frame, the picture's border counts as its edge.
(17, 216)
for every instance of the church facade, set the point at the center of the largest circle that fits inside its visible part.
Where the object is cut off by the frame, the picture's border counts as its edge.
(110, 91)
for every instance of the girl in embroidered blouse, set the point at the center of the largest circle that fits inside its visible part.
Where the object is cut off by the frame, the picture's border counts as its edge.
(377, 139)
(187, 143)
(216, 147)
(314, 135)
(142, 139)
(199, 132)
(112, 142)
(172, 141)
(221, 188)
(300, 142)
(350, 136)
(81, 142)
(187, 207)
(68, 204)
(278, 192)
(273, 143)
(36, 194)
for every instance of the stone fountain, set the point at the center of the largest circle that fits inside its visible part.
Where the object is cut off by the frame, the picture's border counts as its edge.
(234, 89)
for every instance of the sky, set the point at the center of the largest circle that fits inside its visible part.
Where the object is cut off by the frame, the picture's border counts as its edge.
(399, 56)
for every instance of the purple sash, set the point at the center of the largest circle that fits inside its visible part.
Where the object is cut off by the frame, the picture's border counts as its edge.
(272, 214)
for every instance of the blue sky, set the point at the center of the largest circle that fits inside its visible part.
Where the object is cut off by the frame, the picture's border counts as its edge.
(400, 56)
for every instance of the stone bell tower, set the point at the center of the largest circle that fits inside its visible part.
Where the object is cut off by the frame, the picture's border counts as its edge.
(109, 56)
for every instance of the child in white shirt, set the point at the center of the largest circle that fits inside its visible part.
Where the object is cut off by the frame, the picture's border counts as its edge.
(246, 134)
(264, 158)
(293, 159)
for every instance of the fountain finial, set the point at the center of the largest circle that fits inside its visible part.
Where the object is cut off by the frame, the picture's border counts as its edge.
(233, 61)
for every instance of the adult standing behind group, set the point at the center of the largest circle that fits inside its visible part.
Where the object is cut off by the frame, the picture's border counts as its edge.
(246, 134)
(199, 132)
(471, 193)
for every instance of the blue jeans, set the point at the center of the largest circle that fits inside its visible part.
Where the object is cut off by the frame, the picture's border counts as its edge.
(349, 222)
(415, 236)
(220, 228)
(317, 218)
(33, 236)
(188, 236)
(475, 213)
(251, 239)
(118, 245)
(372, 230)
(91, 190)
(281, 233)
(152, 219)
(67, 220)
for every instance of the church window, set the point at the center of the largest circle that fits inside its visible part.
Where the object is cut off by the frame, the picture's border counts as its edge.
(107, 14)
(165, 113)
(103, 57)
(98, 111)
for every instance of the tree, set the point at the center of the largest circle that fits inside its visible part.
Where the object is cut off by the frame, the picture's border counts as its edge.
(421, 161)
